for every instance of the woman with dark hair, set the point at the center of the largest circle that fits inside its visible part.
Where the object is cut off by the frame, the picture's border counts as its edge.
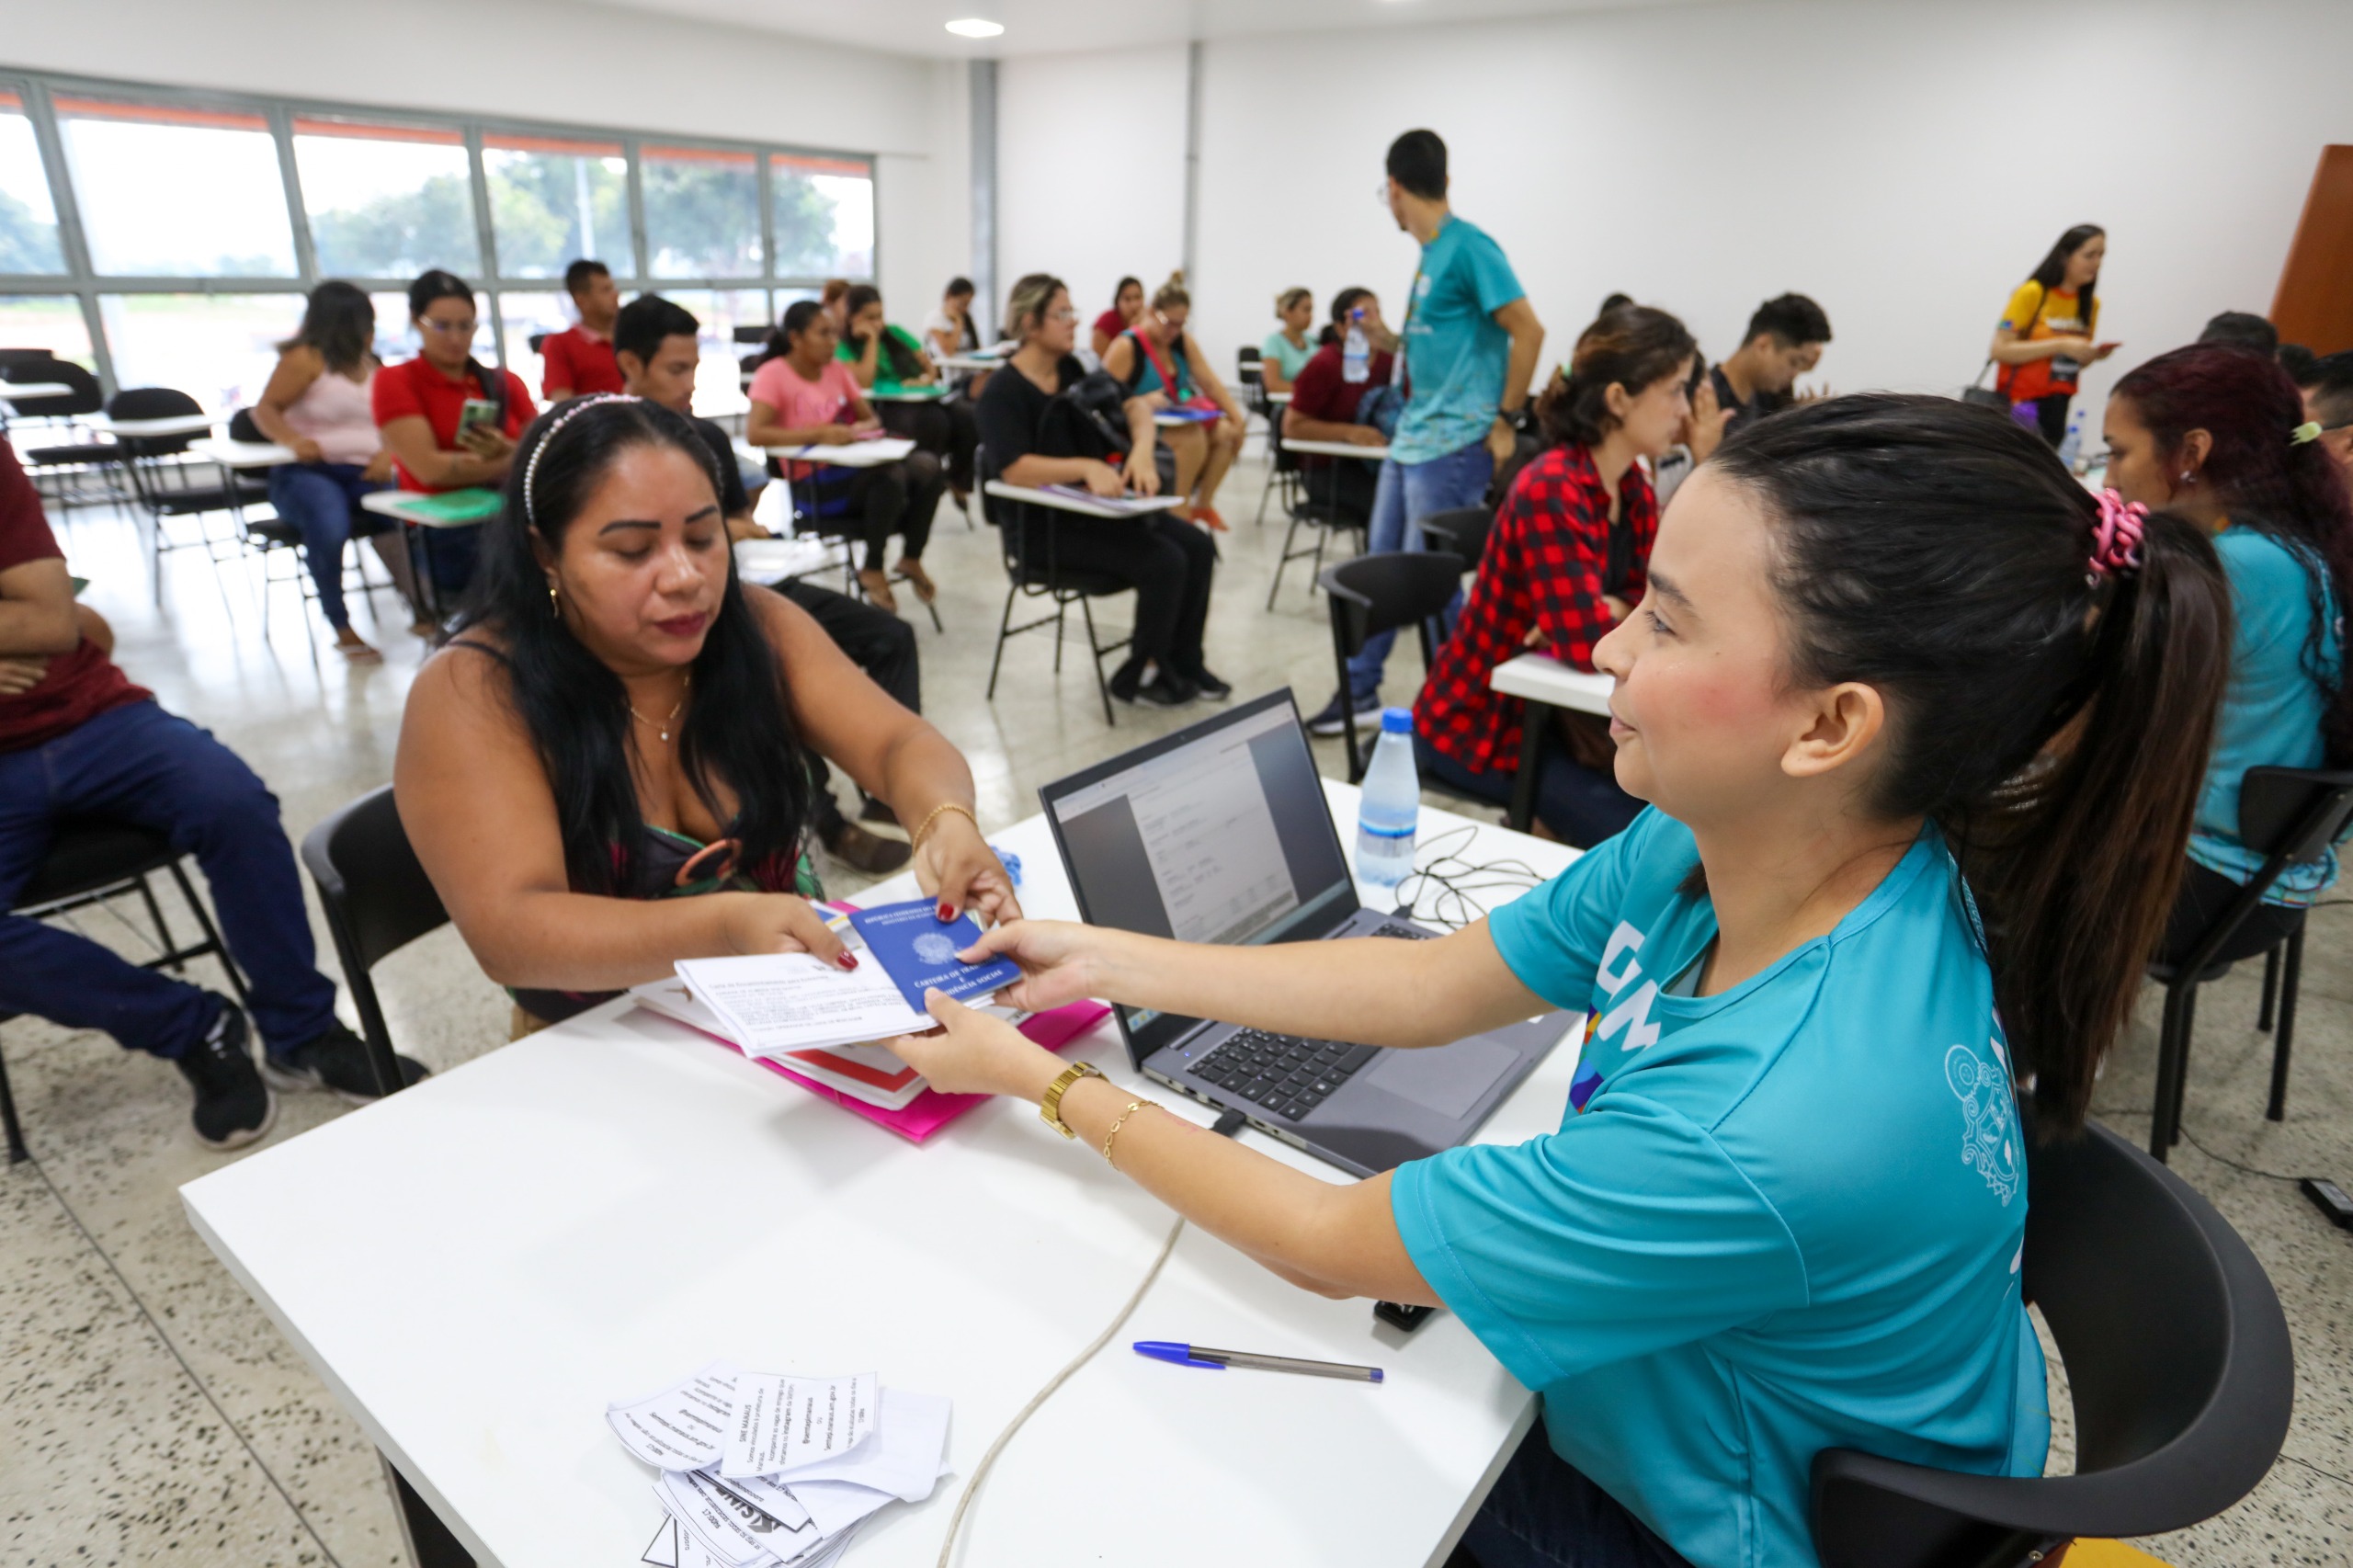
(1875, 888)
(949, 330)
(1157, 357)
(2218, 435)
(890, 361)
(1127, 305)
(2046, 338)
(317, 404)
(1170, 563)
(1564, 562)
(607, 769)
(803, 396)
(450, 420)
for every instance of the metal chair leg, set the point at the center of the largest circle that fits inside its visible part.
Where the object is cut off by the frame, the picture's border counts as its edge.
(1003, 621)
(18, 1152)
(165, 942)
(1062, 615)
(2271, 989)
(213, 935)
(2285, 1040)
(2173, 1066)
(1095, 647)
(1282, 561)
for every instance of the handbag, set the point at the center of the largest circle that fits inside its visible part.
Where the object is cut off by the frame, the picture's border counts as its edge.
(1999, 395)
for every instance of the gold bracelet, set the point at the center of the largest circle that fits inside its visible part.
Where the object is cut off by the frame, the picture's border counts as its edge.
(1050, 1105)
(915, 839)
(1133, 1107)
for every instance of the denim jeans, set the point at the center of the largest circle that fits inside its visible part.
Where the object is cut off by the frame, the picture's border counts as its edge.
(1544, 1514)
(317, 498)
(139, 764)
(1406, 493)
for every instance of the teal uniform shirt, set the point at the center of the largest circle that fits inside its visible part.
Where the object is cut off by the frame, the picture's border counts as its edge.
(1455, 353)
(1287, 356)
(2272, 709)
(1786, 1217)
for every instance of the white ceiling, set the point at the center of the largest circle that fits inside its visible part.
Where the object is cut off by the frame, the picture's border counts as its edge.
(1048, 27)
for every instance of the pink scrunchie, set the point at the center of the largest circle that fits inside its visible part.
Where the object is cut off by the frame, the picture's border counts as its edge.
(2116, 539)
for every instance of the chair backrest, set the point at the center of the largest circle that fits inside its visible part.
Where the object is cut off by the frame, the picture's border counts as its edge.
(1461, 532)
(85, 397)
(2176, 1354)
(2297, 810)
(377, 898)
(152, 403)
(1381, 593)
(244, 428)
(537, 338)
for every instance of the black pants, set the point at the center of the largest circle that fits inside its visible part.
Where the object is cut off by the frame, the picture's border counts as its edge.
(2050, 418)
(1169, 563)
(947, 429)
(2205, 893)
(878, 643)
(872, 503)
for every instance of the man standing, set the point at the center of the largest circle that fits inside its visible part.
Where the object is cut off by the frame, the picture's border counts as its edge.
(579, 360)
(1470, 346)
(654, 343)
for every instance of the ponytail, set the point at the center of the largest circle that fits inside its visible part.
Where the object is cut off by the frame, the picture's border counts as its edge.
(2051, 713)
(1171, 294)
(1631, 346)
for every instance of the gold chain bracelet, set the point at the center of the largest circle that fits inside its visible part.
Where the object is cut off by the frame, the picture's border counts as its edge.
(915, 839)
(1133, 1107)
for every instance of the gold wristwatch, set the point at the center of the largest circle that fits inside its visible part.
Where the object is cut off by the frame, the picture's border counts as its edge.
(1049, 1107)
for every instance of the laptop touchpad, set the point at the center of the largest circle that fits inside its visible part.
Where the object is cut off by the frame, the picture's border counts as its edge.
(1449, 1079)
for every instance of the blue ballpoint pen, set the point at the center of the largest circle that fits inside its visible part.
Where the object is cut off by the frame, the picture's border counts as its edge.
(1219, 1361)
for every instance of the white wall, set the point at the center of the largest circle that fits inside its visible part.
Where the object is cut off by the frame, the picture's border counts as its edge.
(1906, 165)
(1091, 170)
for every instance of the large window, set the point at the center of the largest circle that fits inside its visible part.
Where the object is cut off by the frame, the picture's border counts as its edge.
(196, 221)
(387, 203)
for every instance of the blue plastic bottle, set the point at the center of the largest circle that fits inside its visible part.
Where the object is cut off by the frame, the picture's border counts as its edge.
(2071, 446)
(1391, 808)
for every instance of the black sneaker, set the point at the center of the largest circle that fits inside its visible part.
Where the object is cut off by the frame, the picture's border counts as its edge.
(1164, 689)
(233, 1106)
(1330, 720)
(1208, 685)
(338, 1062)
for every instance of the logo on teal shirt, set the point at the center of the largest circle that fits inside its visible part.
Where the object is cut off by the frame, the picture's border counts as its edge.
(1989, 1137)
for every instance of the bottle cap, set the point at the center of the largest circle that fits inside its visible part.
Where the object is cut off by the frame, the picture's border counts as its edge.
(1396, 720)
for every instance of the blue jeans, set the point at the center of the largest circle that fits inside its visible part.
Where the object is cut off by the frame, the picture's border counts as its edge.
(1544, 1514)
(139, 764)
(1406, 493)
(318, 499)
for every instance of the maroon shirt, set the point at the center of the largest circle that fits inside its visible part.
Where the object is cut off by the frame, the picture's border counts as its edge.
(1543, 569)
(80, 685)
(1321, 391)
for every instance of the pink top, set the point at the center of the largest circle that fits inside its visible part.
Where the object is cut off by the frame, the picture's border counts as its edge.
(339, 415)
(802, 405)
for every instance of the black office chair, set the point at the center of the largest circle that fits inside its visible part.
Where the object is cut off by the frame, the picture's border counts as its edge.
(378, 900)
(537, 338)
(1461, 532)
(2287, 815)
(2177, 1357)
(60, 465)
(275, 539)
(89, 861)
(164, 486)
(1381, 592)
(1026, 533)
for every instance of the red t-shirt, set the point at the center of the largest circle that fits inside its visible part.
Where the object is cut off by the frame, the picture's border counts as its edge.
(80, 685)
(1321, 391)
(575, 359)
(1110, 323)
(416, 387)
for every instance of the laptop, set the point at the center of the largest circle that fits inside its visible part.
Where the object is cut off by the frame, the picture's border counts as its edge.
(1220, 833)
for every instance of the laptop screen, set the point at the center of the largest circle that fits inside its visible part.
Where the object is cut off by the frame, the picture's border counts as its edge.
(1218, 833)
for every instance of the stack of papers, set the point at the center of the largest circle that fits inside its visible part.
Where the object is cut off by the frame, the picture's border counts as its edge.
(762, 1470)
(1120, 503)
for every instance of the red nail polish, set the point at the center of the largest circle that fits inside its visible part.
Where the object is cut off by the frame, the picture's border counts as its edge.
(947, 912)
(849, 960)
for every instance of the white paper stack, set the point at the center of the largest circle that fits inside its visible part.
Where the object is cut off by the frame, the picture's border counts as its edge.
(762, 1470)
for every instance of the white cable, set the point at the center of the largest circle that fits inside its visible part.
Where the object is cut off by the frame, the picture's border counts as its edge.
(980, 1470)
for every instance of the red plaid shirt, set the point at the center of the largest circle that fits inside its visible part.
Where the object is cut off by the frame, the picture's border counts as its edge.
(1543, 570)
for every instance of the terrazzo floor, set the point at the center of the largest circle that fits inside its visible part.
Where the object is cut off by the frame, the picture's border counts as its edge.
(149, 1412)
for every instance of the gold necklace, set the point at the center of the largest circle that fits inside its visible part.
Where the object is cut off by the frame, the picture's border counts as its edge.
(663, 727)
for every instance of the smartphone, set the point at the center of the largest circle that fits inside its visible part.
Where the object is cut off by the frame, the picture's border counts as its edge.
(477, 410)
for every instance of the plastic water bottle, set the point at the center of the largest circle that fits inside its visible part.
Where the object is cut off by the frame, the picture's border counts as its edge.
(1356, 357)
(2071, 446)
(1391, 808)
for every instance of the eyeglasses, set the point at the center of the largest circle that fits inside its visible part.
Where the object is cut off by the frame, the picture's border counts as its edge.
(1380, 193)
(1065, 313)
(455, 328)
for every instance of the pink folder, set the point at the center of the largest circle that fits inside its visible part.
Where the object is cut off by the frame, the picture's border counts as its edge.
(931, 1110)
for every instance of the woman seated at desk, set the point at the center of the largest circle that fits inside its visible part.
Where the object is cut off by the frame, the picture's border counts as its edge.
(804, 396)
(1866, 620)
(1565, 564)
(449, 419)
(886, 358)
(1287, 347)
(621, 724)
(1169, 562)
(318, 404)
(1127, 305)
(1157, 357)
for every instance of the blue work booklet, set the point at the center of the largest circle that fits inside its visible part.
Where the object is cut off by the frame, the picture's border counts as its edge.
(918, 950)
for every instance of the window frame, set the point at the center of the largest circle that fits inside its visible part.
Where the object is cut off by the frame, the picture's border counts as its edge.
(37, 89)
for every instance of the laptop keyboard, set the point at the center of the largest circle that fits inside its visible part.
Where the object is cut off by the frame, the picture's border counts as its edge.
(1284, 1074)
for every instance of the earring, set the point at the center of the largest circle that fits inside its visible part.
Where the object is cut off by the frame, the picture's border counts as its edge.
(554, 608)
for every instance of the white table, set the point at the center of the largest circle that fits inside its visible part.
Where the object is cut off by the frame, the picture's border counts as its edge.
(171, 425)
(25, 391)
(1278, 397)
(1544, 683)
(241, 454)
(774, 560)
(873, 453)
(1172, 421)
(975, 362)
(1338, 449)
(477, 1266)
(401, 504)
(1134, 505)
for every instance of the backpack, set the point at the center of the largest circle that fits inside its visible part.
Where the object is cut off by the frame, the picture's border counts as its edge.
(1086, 419)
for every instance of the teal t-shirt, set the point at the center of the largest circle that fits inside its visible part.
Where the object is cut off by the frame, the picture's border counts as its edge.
(1285, 356)
(1455, 353)
(2271, 712)
(1786, 1217)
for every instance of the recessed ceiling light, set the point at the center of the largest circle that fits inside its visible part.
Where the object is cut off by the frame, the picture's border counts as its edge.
(975, 27)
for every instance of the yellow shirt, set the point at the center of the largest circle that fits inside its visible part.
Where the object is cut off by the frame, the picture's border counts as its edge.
(2058, 317)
